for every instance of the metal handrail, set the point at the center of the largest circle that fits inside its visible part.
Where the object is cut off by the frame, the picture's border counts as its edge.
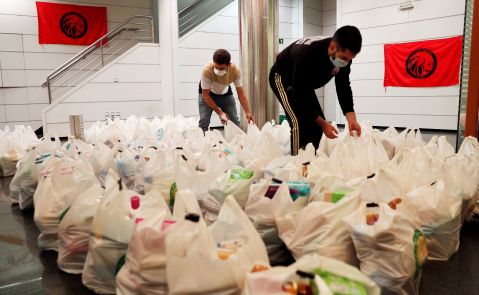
(188, 6)
(98, 45)
(86, 53)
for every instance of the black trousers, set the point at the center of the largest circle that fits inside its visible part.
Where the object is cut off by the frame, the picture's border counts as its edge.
(303, 131)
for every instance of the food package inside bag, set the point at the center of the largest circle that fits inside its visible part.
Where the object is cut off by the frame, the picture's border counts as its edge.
(312, 274)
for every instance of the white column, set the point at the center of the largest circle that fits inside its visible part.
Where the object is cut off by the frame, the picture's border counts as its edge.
(168, 39)
(300, 19)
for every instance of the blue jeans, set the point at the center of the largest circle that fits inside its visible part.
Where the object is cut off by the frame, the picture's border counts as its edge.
(225, 102)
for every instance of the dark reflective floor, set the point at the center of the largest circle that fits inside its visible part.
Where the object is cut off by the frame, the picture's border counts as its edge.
(23, 268)
(26, 270)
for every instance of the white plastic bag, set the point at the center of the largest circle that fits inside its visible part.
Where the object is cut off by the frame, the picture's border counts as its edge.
(25, 181)
(266, 202)
(265, 150)
(232, 131)
(159, 173)
(97, 157)
(415, 168)
(10, 153)
(390, 248)
(227, 250)
(74, 229)
(280, 133)
(111, 232)
(327, 145)
(389, 138)
(289, 168)
(355, 157)
(409, 138)
(197, 172)
(439, 147)
(144, 271)
(185, 203)
(440, 214)
(319, 227)
(61, 181)
(470, 147)
(461, 178)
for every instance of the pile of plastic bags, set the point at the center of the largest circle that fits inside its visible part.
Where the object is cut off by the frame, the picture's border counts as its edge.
(146, 206)
(13, 146)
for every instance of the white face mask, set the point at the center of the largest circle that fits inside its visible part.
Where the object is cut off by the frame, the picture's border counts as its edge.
(220, 72)
(337, 62)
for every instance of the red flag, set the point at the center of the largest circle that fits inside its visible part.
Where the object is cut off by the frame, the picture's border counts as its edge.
(70, 24)
(423, 64)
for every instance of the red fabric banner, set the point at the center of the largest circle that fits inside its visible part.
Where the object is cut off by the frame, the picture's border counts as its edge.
(70, 24)
(423, 64)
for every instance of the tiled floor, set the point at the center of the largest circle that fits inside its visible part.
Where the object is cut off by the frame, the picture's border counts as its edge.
(26, 270)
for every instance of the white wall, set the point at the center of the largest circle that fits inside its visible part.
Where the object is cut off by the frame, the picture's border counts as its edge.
(290, 21)
(380, 22)
(313, 19)
(130, 85)
(24, 64)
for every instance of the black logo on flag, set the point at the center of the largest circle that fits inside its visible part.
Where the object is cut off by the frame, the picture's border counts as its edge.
(421, 63)
(73, 25)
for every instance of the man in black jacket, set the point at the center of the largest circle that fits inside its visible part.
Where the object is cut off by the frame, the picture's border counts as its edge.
(305, 65)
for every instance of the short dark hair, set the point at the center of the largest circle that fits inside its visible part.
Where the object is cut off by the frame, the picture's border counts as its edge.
(348, 37)
(222, 57)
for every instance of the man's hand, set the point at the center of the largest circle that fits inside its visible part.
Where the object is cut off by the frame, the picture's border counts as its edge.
(354, 127)
(329, 130)
(249, 118)
(353, 124)
(223, 117)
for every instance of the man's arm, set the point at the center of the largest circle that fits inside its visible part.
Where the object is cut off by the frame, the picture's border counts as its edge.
(244, 104)
(211, 103)
(345, 98)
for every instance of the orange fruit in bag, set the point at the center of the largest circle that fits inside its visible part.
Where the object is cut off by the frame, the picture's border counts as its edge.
(371, 218)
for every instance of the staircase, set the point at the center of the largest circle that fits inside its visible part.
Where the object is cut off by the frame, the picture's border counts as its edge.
(191, 13)
(133, 30)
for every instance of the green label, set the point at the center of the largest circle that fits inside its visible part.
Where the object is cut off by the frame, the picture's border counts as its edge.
(173, 190)
(420, 250)
(238, 174)
(337, 196)
(64, 213)
(340, 285)
(41, 158)
(120, 264)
